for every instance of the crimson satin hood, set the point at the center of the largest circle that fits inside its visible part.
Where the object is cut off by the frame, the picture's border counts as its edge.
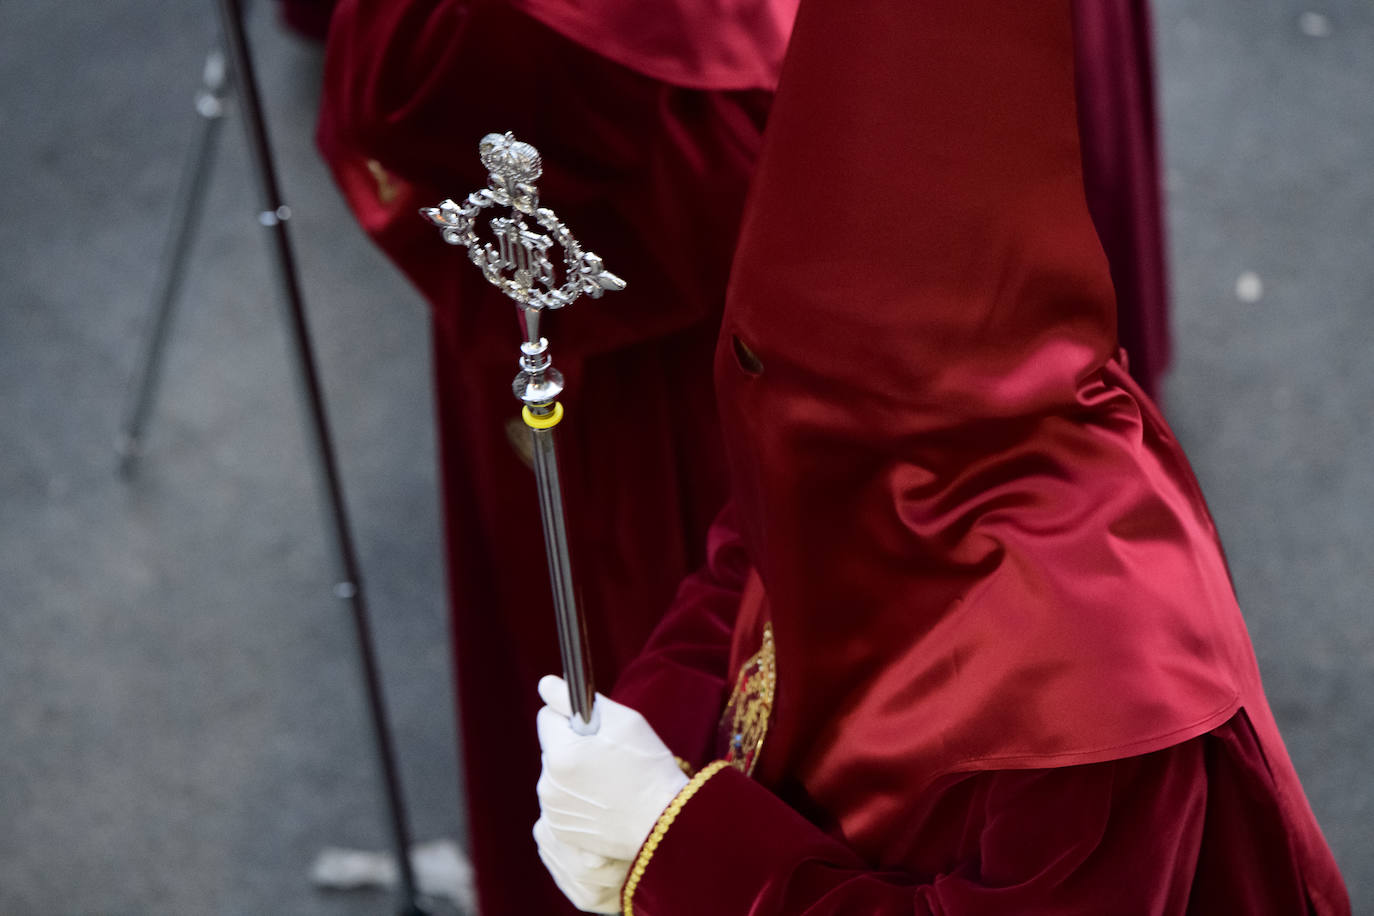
(980, 545)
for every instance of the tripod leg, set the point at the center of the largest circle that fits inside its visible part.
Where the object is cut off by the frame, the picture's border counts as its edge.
(274, 217)
(185, 219)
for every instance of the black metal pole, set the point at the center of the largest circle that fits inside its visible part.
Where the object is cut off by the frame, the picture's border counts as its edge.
(185, 219)
(349, 589)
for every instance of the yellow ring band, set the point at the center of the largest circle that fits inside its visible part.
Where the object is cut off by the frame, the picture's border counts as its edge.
(548, 421)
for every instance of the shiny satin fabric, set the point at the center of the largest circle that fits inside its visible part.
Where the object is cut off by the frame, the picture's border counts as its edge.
(980, 546)
(701, 44)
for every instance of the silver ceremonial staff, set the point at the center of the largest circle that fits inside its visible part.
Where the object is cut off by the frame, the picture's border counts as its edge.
(518, 265)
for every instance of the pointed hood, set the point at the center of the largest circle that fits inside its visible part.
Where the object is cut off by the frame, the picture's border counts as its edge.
(980, 546)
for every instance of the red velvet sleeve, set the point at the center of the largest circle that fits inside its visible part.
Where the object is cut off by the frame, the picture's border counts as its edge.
(1116, 837)
(678, 681)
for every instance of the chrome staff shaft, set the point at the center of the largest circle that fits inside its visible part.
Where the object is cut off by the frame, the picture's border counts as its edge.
(538, 386)
(518, 265)
(572, 625)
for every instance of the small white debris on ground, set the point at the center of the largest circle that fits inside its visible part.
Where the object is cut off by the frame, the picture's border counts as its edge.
(352, 869)
(441, 870)
(1249, 287)
(1314, 25)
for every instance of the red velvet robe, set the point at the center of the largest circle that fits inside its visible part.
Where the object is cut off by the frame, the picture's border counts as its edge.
(1011, 675)
(652, 178)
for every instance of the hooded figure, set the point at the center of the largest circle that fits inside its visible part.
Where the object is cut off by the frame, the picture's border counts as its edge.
(649, 117)
(966, 642)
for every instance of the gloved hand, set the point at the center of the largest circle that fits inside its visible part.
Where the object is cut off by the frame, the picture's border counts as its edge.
(590, 881)
(600, 793)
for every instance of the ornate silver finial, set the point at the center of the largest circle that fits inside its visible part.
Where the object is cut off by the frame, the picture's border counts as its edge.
(509, 158)
(518, 264)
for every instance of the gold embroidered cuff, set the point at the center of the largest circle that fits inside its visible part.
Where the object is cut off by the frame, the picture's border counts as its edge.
(665, 820)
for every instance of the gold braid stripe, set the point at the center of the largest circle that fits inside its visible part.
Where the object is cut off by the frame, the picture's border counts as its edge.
(665, 820)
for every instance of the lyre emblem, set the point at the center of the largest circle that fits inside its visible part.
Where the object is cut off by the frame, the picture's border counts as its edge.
(518, 264)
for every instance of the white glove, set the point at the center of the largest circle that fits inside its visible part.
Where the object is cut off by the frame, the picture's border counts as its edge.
(590, 881)
(601, 793)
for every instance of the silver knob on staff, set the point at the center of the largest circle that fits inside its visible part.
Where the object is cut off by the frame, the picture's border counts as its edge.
(518, 264)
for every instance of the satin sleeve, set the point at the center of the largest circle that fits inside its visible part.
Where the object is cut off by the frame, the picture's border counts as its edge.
(1119, 837)
(678, 682)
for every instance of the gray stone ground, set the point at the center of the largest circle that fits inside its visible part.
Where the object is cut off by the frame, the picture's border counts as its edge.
(180, 727)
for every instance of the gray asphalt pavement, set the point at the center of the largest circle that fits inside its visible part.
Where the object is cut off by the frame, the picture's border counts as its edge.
(1269, 135)
(181, 728)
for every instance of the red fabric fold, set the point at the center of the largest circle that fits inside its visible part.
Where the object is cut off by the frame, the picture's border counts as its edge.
(678, 682)
(1116, 115)
(1190, 829)
(702, 44)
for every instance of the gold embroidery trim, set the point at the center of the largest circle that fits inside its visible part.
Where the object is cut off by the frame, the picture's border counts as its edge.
(685, 767)
(744, 724)
(665, 820)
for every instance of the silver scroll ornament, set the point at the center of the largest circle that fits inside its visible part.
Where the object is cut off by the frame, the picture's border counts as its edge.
(518, 264)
